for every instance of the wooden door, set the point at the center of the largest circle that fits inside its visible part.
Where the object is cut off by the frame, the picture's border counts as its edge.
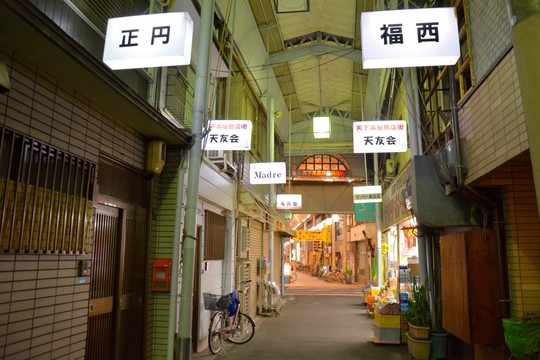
(101, 319)
(116, 313)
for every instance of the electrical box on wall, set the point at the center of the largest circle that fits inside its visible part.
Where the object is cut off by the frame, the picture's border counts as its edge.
(161, 275)
(155, 156)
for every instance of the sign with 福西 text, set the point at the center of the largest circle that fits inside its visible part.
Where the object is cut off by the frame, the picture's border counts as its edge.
(152, 40)
(409, 38)
(380, 136)
(268, 173)
(228, 135)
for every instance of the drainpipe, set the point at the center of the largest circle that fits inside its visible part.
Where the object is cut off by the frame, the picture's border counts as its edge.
(190, 223)
(378, 224)
(525, 22)
(227, 261)
(413, 111)
(173, 298)
(272, 189)
(231, 216)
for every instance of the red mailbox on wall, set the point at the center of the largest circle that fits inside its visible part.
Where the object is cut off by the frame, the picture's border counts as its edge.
(161, 275)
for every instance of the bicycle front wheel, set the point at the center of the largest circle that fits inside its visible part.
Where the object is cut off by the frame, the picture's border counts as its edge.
(292, 278)
(215, 336)
(244, 330)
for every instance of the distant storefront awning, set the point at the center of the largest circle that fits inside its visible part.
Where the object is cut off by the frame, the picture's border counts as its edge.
(271, 216)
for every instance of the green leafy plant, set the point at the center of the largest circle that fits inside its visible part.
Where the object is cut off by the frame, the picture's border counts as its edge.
(418, 314)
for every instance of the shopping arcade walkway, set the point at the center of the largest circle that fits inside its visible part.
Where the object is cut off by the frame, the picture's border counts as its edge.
(319, 325)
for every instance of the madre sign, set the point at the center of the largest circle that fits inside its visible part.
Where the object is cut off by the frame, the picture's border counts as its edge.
(268, 173)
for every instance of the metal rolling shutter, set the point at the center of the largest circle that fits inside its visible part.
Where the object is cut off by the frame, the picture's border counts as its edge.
(255, 256)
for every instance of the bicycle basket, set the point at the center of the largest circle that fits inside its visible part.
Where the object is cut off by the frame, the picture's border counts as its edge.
(216, 302)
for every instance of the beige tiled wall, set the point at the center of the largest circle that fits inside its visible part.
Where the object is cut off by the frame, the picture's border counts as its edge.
(43, 301)
(492, 122)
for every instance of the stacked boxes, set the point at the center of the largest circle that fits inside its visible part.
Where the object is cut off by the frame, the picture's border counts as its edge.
(387, 329)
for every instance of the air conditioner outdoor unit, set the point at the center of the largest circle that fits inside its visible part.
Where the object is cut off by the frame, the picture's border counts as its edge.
(222, 158)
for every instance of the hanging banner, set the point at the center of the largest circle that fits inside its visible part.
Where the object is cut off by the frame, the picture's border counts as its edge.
(367, 194)
(268, 173)
(152, 40)
(289, 201)
(228, 135)
(386, 136)
(313, 235)
(364, 212)
(409, 38)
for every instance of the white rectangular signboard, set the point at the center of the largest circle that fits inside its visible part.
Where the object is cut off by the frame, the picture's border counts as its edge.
(228, 135)
(409, 38)
(152, 40)
(268, 173)
(367, 194)
(289, 201)
(380, 136)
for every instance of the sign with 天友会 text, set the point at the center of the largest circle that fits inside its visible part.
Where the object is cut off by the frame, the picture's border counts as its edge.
(268, 173)
(289, 201)
(409, 38)
(380, 136)
(152, 40)
(228, 135)
(367, 194)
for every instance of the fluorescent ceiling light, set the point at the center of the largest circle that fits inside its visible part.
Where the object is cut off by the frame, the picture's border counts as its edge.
(291, 6)
(321, 127)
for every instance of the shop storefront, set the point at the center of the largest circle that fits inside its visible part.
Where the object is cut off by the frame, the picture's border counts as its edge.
(400, 262)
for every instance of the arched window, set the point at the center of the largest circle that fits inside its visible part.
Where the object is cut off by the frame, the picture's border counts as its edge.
(323, 162)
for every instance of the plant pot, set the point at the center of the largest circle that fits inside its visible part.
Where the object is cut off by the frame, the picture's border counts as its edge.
(419, 332)
(439, 344)
(418, 348)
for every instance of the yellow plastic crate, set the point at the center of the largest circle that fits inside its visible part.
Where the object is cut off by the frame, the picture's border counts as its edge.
(388, 321)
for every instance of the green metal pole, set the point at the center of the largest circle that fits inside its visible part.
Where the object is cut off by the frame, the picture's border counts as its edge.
(173, 309)
(525, 22)
(190, 223)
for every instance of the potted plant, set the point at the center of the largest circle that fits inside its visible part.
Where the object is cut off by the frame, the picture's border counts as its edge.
(418, 342)
(439, 337)
(418, 314)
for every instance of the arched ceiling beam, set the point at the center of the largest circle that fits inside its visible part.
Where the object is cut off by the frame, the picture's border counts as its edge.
(316, 44)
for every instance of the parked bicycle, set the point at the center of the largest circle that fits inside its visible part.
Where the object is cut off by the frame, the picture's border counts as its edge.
(227, 323)
(293, 276)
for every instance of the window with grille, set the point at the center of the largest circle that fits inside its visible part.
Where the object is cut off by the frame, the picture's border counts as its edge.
(45, 197)
(322, 162)
(214, 229)
(434, 86)
(463, 69)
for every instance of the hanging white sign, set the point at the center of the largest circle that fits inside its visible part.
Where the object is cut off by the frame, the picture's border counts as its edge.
(367, 194)
(409, 38)
(268, 173)
(289, 201)
(152, 40)
(380, 136)
(228, 135)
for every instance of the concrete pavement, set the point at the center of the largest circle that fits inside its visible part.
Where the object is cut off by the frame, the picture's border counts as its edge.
(314, 327)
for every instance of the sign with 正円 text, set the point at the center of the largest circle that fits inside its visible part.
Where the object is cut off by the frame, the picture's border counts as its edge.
(409, 38)
(268, 173)
(152, 40)
(289, 201)
(228, 135)
(367, 194)
(380, 136)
